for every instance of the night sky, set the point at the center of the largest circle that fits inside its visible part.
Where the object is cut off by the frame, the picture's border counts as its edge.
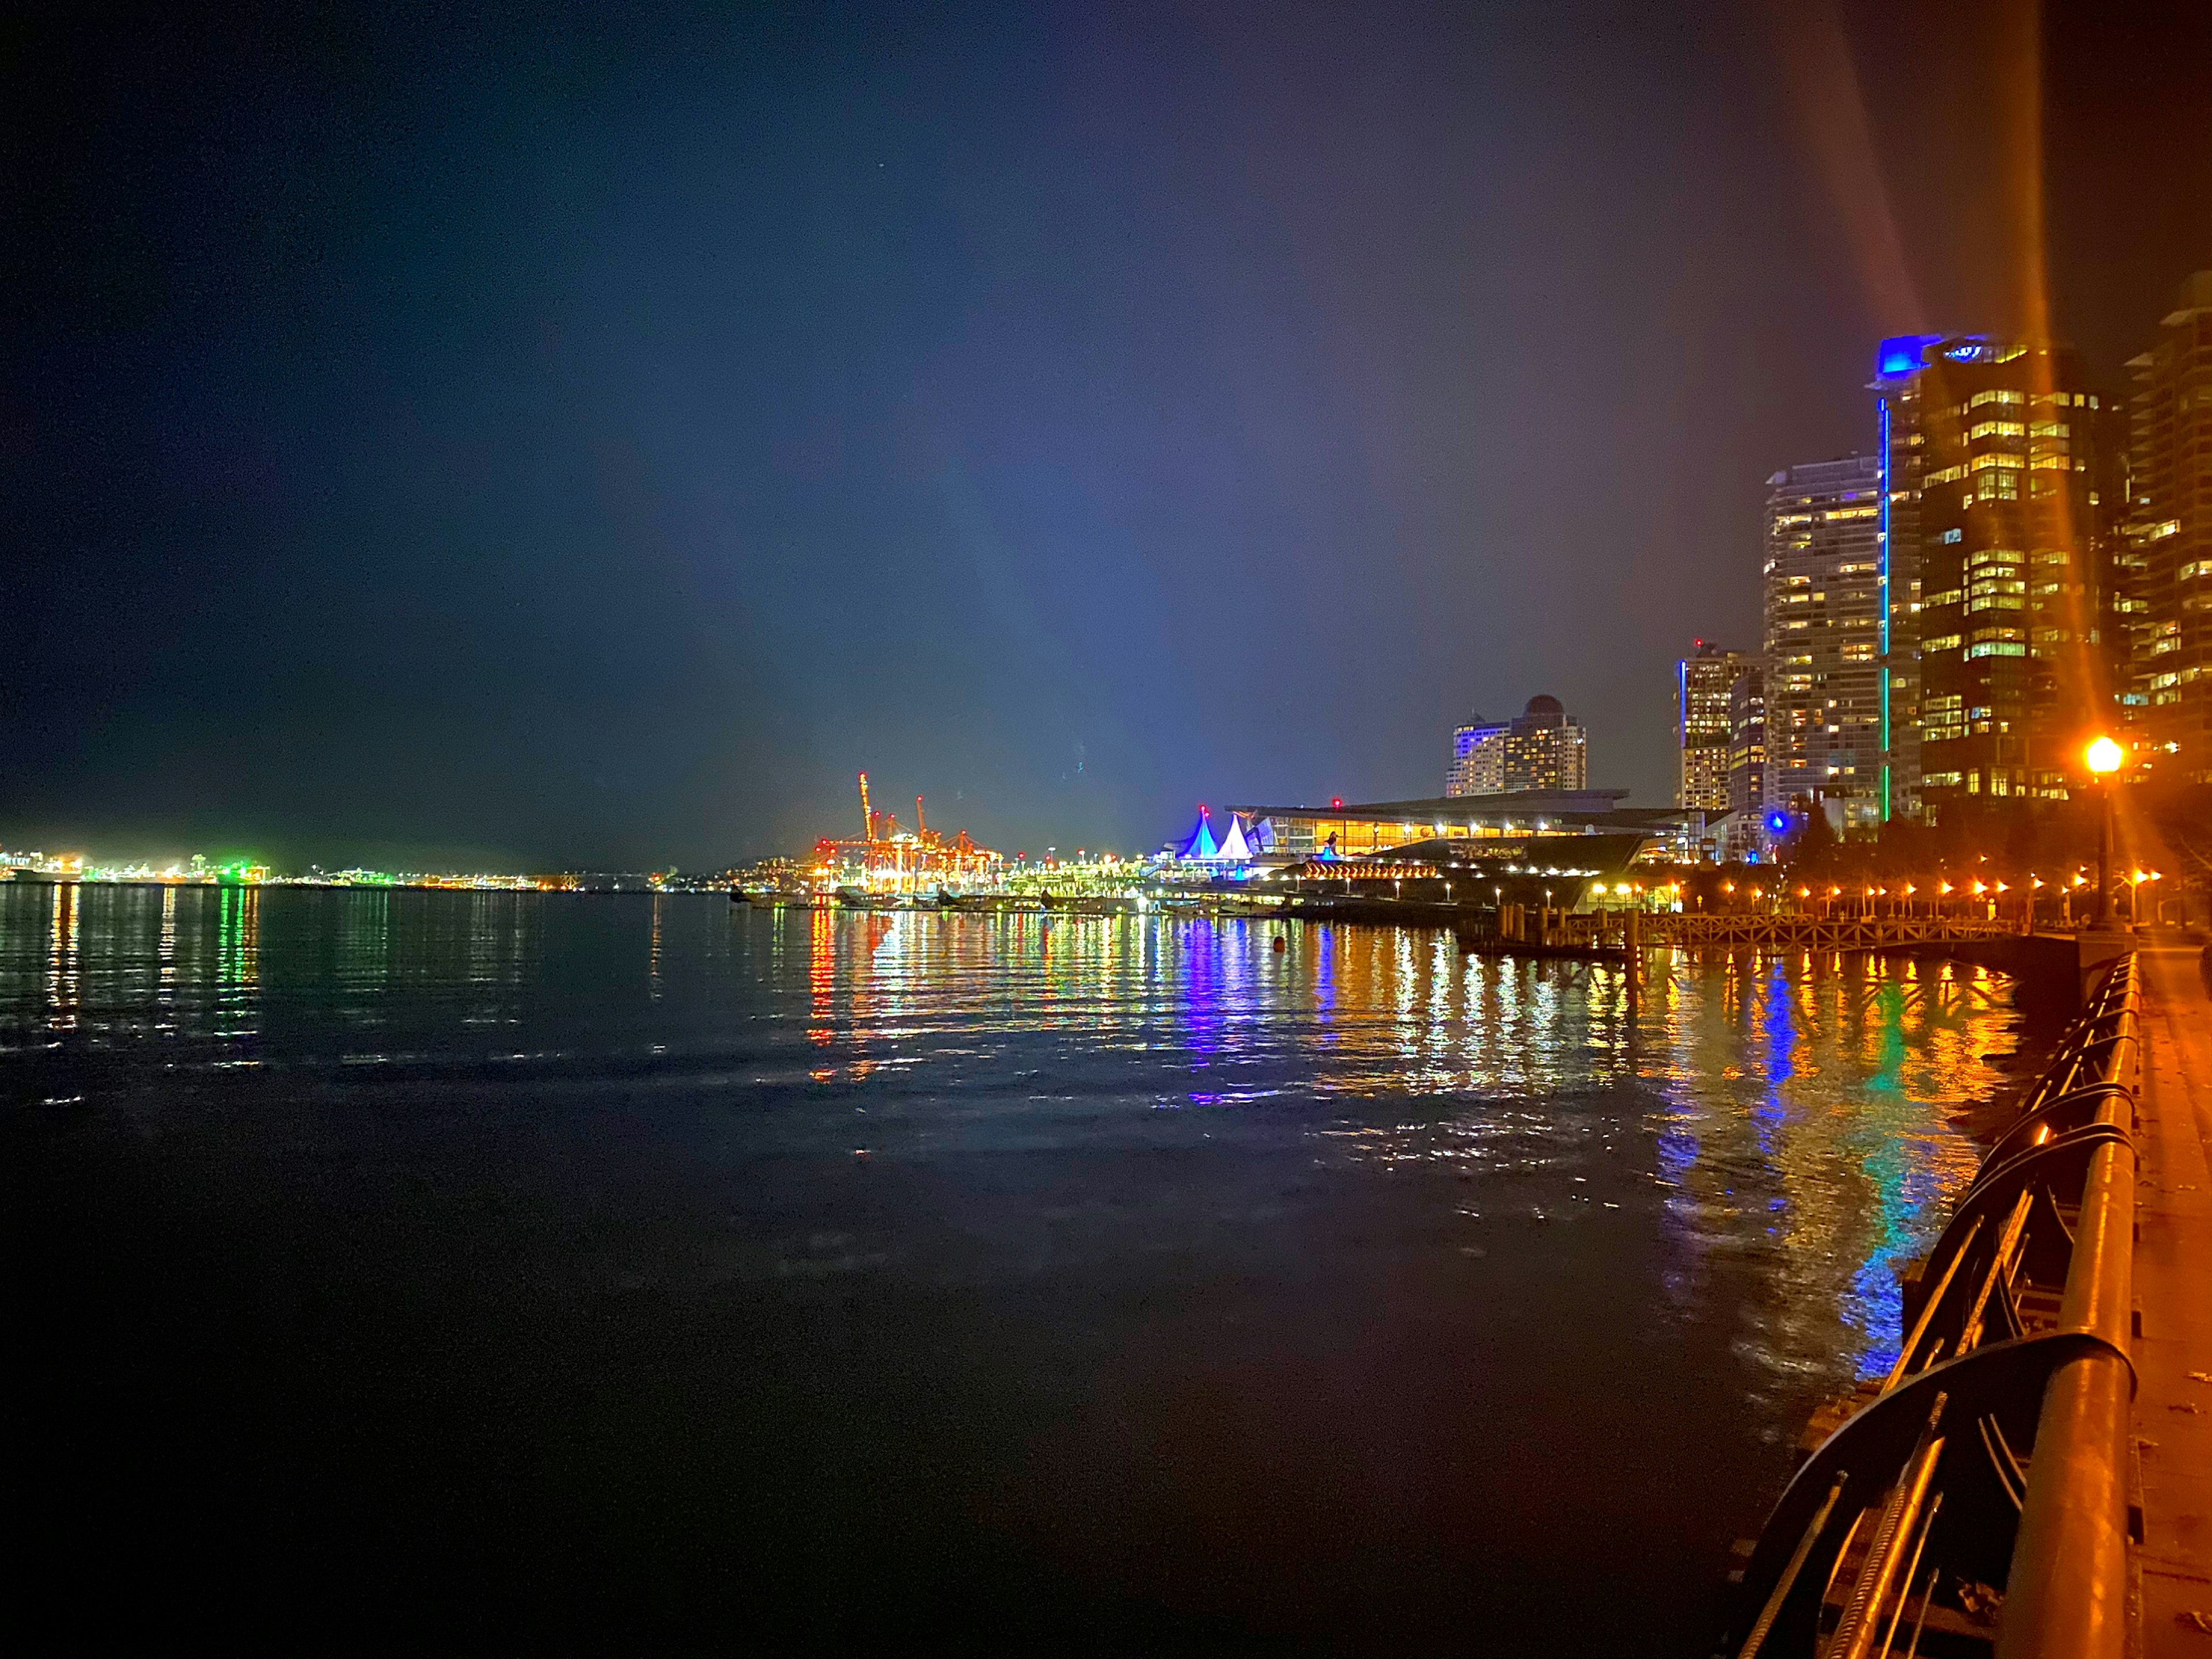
(587, 436)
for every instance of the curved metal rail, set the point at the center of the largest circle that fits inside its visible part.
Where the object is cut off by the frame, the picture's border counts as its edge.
(1994, 1451)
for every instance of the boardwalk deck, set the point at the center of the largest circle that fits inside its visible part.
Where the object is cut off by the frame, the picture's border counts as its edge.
(2173, 1288)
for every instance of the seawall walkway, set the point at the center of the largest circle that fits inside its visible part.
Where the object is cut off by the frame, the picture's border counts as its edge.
(2174, 1292)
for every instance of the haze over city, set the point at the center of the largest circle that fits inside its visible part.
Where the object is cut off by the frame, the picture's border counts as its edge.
(536, 438)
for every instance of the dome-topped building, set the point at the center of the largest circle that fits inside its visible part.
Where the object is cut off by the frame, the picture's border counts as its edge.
(1542, 748)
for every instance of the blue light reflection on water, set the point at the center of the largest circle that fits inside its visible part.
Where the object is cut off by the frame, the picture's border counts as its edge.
(1738, 1167)
(1797, 1116)
(1848, 1088)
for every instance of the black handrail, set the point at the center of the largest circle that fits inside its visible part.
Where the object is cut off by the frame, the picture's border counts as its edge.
(1829, 1577)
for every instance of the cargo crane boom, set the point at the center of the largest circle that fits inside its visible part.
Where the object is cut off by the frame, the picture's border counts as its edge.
(882, 860)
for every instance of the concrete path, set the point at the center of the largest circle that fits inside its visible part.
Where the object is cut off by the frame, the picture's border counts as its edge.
(2173, 1290)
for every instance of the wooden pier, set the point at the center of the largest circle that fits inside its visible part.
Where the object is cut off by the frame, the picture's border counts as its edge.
(1820, 932)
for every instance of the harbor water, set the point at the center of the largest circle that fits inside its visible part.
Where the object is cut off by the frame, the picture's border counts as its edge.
(579, 1272)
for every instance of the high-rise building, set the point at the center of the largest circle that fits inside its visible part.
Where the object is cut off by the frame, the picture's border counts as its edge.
(2169, 541)
(1545, 749)
(1702, 682)
(1823, 634)
(1746, 752)
(2010, 468)
(1478, 758)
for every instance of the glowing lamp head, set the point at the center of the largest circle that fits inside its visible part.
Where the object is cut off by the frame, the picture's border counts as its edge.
(1776, 823)
(2104, 757)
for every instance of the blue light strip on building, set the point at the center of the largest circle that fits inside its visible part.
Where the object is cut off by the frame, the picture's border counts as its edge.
(1882, 404)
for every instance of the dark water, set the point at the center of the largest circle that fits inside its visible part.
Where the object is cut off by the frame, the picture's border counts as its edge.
(620, 1273)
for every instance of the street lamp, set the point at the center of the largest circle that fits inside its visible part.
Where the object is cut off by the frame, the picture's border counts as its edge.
(2103, 759)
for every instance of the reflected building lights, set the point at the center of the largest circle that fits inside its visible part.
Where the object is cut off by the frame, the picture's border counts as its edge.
(64, 982)
(1776, 1128)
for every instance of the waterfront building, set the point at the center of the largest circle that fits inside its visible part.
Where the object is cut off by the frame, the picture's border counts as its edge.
(1702, 685)
(1511, 820)
(2169, 546)
(1478, 758)
(1545, 748)
(1824, 635)
(2010, 532)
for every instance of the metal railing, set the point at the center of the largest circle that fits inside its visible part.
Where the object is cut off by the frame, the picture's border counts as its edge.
(1994, 1452)
(1846, 931)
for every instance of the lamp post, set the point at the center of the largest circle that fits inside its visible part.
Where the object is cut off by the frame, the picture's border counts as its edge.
(2104, 758)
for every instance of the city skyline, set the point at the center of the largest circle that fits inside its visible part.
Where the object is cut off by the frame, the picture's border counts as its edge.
(1838, 532)
(1953, 618)
(470, 464)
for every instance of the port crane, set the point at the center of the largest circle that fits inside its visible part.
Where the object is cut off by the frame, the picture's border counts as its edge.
(888, 859)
